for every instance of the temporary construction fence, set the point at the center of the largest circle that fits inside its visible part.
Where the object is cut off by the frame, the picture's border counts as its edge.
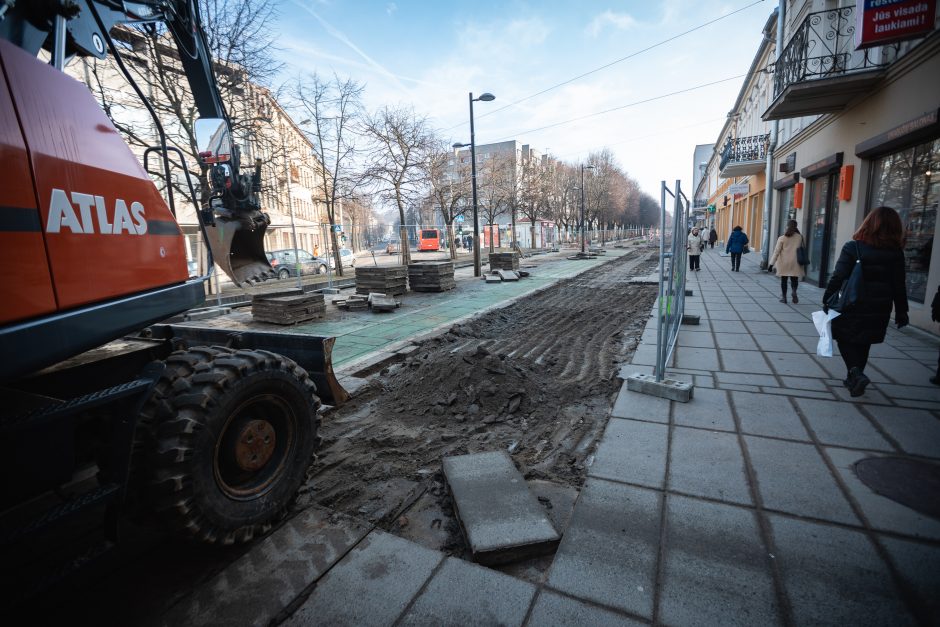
(672, 274)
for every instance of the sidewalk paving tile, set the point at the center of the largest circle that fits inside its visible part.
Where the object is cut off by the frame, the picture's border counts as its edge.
(554, 609)
(723, 315)
(609, 551)
(886, 351)
(716, 567)
(871, 397)
(803, 329)
(773, 417)
(903, 371)
(696, 339)
(833, 576)
(744, 361)
(746, 379)
(912, 391)
(779, 343)
(882, 512)
(765, 328)
(917, 563)
(792, 477)
(630, 404)
(756, 316)
(736, 341)
(803, 383)
(372, 585)
(709, 464)
(632, 452)
(726, 326)
(708, 409)
(697, 358)
(794, 365)
(486, 597)
(841, 424)
(917, 431)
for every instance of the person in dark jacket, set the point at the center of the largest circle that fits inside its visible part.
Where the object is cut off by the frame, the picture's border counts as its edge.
(712, 238)
(736, 243)
(879, 243)
(935, 316)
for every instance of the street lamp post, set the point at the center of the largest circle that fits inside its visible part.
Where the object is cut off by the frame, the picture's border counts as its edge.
(583, 168)
(487, 97)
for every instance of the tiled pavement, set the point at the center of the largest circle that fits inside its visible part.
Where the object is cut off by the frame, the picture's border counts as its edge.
(739, 507)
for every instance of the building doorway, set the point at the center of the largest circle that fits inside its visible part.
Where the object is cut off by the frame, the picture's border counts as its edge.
(821, 222)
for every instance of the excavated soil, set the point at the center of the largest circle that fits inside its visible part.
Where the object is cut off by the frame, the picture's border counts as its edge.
(536, 378)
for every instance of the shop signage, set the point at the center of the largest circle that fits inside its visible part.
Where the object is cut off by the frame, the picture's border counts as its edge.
(739, 189)
(921, 128)
(823, 166)
(884, 21)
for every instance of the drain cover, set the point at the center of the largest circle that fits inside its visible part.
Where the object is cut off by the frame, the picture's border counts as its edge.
(910, 482)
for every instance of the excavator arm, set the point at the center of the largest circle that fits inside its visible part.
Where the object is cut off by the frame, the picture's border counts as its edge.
(231, 219)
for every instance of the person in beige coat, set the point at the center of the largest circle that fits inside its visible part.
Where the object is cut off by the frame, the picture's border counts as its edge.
(695, 246)
(785, 262)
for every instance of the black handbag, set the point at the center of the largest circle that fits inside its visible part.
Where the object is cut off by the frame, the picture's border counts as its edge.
(801, 257)
(851, 290)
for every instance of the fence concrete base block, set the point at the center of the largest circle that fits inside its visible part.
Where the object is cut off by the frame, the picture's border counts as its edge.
(330, 290)
(690, 319)
(688, 292)
(667, 388)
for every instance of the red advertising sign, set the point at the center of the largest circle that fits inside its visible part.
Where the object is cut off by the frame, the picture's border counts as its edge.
(885, 21)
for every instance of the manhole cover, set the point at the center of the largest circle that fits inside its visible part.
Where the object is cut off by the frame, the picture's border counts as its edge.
(912, 483)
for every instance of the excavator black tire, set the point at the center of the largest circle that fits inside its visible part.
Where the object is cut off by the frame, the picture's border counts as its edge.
(229, 436)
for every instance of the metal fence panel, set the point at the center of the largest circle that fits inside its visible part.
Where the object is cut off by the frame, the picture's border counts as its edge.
(672, 275)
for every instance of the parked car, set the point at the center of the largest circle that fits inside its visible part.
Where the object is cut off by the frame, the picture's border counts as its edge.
(285, 265)
(346, 257)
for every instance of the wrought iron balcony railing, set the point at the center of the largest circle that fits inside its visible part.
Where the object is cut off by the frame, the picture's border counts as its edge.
(823, 46)
(743, 149)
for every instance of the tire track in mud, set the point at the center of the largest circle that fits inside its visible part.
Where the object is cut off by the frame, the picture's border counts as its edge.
(537, 377)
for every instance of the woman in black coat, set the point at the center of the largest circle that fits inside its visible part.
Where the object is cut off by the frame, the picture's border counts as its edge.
(878, 242)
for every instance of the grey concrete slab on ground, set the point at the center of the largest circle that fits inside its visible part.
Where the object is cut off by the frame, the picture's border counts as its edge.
(716, 569)
(834, 576)
(746, 379)
(793, 478)
(917, 431)
(756, 316)
(726, 326)
(795, 365)
(744, 361)
(630, 404)
(841, 424)
(255, 589)
(882, 512)
(762, 415)
(461, 594)
(501, 518)
(903, 371)
(372, 585)
(736, 341)
(555, 609)
(608, 554)
(915, 391)
(917, 563)
(803, 329)
(709, 464)
(764, 328)
(709, 410)
(778, 343)
(633, 452)
(803, 383)
(697, 358)
(697, 339)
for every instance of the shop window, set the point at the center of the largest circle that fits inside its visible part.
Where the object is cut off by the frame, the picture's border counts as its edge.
(909, 181)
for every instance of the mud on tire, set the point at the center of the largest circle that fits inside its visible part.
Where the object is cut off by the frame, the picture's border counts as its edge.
(231, 435)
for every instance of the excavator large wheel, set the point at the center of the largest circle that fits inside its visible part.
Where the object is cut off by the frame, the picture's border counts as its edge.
(230, 436)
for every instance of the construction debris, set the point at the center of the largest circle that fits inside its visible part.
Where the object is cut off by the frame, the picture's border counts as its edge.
(290, 308)
(383, 302)
(504, 261)
(375, 301)
(391, 280)
(508, 275)
(431, 276)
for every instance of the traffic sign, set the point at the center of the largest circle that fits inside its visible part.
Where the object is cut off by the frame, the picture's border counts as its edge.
(337, 228)
(459, 219)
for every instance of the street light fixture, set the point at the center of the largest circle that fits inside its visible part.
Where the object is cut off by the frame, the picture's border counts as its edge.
(487, 97)
(583, 168)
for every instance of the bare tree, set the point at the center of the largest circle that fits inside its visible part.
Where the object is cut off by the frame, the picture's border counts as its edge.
(334, 107)
(492, 184)
(450, 187)
(401, 141)
(534, 187)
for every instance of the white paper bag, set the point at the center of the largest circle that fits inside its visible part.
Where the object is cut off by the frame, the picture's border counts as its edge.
(823, 322)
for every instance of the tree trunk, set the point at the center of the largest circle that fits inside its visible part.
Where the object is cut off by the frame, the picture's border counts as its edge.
(451, 240)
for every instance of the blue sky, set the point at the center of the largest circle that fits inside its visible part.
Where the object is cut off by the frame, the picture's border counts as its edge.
(430, 54)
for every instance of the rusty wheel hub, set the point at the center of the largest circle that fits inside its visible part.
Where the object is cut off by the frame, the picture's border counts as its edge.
(255, 445)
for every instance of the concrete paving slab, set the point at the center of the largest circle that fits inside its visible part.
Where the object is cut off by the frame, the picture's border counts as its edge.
(803, 329)
(833, 576)
(716, 569)
(740, 388)
(803, 383)
(882, 512)
(461, 594)
(723, 314)
(756, 316)
(555, 609)
(709, 464)
(708, 410)
(765, 328)
(726, 326)
(794, 365)
(630, 404)
(609, 551)
(696, 339)
(773, 417)
(697, 358)
(746, 379)
(902, 371)
(841, 424)
(779, 343)
(736, 341)
(917, 431)
(632, 452)
(871, 396)
(744, 361)
(500, 517)
(886, 351)
(917, 563)
(828, 396)
(917, 392)
(792, 477)
(372, 585)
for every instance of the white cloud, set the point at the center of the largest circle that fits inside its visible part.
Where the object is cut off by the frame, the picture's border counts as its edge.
(618, 21)
(391, 7)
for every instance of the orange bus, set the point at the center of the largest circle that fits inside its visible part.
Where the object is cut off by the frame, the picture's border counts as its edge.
(429, 239)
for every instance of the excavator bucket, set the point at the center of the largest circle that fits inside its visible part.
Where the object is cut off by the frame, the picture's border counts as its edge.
(237, 246)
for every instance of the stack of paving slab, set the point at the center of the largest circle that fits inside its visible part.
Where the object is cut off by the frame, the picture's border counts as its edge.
(431, 276)
(504, 261)
(287, 308)
(389, 280)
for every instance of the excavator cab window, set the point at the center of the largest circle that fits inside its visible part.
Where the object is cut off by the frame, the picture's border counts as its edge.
(213, 140)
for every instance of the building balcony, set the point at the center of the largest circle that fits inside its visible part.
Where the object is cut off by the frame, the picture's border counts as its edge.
(820, 71)
(743, 156)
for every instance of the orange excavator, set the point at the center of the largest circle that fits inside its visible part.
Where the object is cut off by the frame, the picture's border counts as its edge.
(105, 407)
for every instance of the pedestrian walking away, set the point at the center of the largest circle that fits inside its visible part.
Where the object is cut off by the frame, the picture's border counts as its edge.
(737, 241)
(877, 244)
(695, 245)
(935, 316)
(785, 261)
(712, 238)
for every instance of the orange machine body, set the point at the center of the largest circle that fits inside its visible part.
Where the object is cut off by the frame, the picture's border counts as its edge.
(80, 220)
